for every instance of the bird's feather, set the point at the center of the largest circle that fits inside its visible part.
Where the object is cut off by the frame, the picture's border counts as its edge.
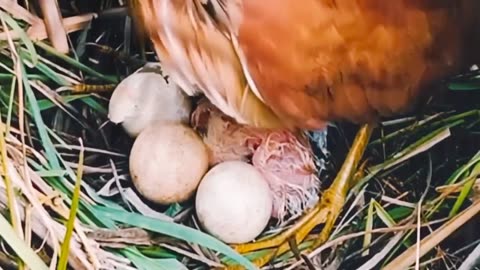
(197, 52)
(351, 60)
(283, 62)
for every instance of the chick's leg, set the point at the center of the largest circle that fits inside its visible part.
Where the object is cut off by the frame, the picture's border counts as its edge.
(326, 211)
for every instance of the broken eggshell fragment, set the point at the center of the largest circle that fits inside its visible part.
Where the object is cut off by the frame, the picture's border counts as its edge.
(144, 98)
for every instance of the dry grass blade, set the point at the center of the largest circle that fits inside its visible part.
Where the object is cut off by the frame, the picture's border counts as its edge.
(457, 187)
(54, 25)
(18, 11)
(19, 246)
(379, 256)
(406, 154)
(12, 204)
(71, 24)
(44, 226)
(409, 256)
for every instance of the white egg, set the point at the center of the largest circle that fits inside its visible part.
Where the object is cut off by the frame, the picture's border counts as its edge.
(233, 202)
(144, 98)
(167, 162)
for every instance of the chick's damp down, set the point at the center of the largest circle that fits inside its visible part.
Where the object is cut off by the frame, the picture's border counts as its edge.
(285, 159)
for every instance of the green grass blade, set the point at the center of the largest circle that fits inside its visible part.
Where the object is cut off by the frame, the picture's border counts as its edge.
(45, 104)
(21, 249)
(92, 103)
(463, 170)
(23, 36)
(383, 215)
(40, 125)
(144, 263)
(76, 64)
(65, 251)
(174, 230)
(465, 190)
(157, 252)
(47, 71)
(465, 86)
(367, 239)
(51, 173)
(7, 77)
(399, 213)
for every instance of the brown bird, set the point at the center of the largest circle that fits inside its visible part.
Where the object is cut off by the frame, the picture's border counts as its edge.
(301, 64)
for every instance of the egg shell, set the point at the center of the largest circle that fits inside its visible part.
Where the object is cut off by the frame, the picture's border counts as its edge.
(144, 98)
(233, 202)
(167, 162)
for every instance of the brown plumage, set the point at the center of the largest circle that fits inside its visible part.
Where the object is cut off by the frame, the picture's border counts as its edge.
(284, 62)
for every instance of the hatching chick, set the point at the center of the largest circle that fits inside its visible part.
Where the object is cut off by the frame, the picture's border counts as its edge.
(284, 158)
(144, 98)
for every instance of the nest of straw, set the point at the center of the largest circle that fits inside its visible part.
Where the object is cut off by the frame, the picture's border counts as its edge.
(67, 201)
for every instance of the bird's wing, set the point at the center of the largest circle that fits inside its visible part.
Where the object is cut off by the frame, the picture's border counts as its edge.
(356, 60)
(197, 51)
(310, 62)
